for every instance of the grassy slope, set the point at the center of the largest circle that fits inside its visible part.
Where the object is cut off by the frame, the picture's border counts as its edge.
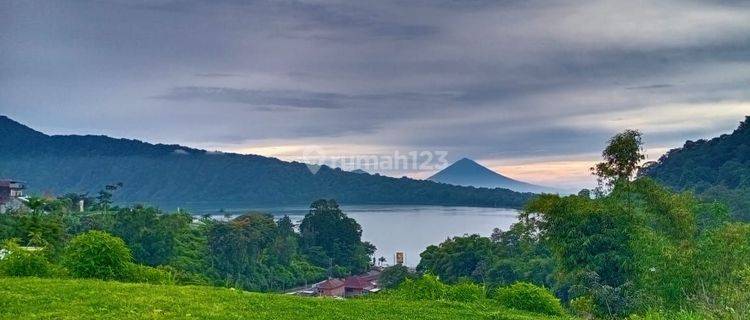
(26, 298)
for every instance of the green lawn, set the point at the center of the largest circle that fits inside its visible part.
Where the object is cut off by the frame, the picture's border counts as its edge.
(29, 298)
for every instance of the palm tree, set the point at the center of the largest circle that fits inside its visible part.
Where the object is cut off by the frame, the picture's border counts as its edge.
(381, 260)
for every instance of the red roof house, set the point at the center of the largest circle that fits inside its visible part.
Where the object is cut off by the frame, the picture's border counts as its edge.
(331, 287)
(356, 285)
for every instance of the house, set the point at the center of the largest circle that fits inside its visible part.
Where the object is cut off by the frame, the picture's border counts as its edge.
(348, 287)
(331, 287)
(361, 284)
(11, 195)
(354, 286)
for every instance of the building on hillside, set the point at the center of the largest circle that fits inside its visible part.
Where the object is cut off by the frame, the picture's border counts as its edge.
(11, 195)
(331, 287)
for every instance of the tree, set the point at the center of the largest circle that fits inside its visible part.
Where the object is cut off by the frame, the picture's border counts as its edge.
(621, 158)
(237, 245)
(381, 260)
(329, 236)
(458, 257)
(393, 276)
(149, 233)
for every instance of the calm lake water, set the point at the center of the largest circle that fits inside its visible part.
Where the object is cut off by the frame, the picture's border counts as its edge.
(412, 228)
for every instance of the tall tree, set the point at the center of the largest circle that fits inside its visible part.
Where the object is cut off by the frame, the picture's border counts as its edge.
(621, 158)
(330, 237)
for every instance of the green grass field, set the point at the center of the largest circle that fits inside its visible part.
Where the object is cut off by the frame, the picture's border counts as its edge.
(32, 298)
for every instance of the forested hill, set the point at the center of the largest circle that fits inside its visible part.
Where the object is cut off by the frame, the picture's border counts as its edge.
(172, 174)
(715, 169)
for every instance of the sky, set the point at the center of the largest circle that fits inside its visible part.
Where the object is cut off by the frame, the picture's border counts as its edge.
(532, 89)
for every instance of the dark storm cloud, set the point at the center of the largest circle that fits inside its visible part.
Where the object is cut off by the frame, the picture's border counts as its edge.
(489, 79)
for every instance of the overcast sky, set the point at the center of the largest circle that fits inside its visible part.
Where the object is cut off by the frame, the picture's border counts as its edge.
(530, 88)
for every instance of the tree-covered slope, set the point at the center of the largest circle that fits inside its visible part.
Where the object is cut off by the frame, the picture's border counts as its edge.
(30, 298)
(715, 169)
(176, 175)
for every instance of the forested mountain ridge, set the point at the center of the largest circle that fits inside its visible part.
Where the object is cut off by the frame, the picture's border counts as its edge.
(172, 174)
(718, 169)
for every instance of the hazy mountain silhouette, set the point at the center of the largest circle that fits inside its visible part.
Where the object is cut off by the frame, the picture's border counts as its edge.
(173, 175)
(467, 172)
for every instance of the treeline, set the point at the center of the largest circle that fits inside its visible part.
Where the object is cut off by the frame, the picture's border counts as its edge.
(252, 251)
(715, 169)
(631, 247)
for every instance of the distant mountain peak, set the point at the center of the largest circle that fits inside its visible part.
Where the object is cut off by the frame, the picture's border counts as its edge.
(467, 172)
(466, 161)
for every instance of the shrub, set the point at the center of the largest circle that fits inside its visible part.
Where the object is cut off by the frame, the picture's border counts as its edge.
(97, 254)
(145, 274)
(19, 262)
(674, 315)
(465, 292)
(428, 287)
(526, 296)
(393, 276)
(583, 306)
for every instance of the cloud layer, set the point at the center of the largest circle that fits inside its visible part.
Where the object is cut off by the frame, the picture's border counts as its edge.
(530, 87)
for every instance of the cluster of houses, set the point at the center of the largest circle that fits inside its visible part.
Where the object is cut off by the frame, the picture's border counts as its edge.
(11, 195)
(345, 287)
(351, 286)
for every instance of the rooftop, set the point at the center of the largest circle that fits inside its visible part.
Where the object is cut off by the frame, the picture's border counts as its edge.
(331, 284)
(12, 184)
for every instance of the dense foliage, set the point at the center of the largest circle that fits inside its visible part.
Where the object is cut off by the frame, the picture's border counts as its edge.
(393, 276)
(328, 236)
(502, 259)
(143, 244)
(526, 296)
(18, 262)
(172, 175)
(429, 287)
(254, 252)
(96, 254)
(716, 169)
(635, 248)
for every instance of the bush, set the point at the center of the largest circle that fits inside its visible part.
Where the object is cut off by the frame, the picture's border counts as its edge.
(428, 287)
(465, 292)
(675, 315)
(146, 274)
(393, 276)
(583, 307)
(19, 262)
(97, 254)
(526, 296)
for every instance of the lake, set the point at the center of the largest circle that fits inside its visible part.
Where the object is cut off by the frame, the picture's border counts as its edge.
(411, 229)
